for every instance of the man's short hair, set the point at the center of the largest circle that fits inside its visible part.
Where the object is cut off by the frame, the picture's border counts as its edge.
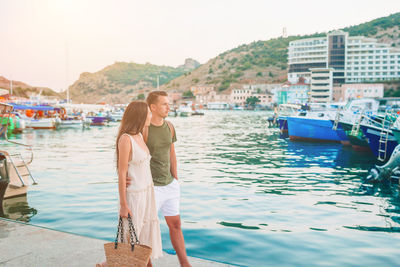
(153, 97)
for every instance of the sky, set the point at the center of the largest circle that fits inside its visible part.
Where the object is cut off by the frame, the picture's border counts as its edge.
(51, 42)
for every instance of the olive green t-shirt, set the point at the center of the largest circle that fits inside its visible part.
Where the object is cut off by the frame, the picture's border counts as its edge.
(159, 142)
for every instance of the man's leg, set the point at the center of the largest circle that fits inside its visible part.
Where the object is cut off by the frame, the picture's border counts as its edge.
(176, 235)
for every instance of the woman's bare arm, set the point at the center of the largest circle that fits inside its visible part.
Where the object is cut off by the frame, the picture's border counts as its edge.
(124, 147)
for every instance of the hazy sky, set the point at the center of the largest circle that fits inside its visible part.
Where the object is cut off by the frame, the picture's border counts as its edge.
(35, 34)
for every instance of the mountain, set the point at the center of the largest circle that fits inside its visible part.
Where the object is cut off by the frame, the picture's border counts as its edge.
(121, 81)
(190, 64)
(257, 62)
(266, 61)
(24, 90)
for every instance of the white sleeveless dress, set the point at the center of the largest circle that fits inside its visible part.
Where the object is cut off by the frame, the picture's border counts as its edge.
(141, 201)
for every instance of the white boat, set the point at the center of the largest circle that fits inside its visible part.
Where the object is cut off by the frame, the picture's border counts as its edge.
(184, 111)
(37, 117)
(42, 123)
(117, 115)
(72, 123)
(218, 105)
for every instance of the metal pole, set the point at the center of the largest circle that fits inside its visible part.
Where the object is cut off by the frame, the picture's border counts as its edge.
(66, 69)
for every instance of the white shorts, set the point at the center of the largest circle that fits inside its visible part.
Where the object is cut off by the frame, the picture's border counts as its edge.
(167, 198)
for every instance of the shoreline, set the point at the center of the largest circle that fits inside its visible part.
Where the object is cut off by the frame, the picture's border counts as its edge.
(25, 244)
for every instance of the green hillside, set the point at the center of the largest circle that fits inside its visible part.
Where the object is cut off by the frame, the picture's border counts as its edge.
(266, 61)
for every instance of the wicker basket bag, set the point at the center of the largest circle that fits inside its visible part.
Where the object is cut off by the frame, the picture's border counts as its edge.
(127, 255)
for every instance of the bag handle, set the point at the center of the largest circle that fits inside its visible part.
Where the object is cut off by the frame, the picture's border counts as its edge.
(120, 232)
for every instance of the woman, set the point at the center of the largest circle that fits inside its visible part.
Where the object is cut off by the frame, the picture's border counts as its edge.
(133, 160)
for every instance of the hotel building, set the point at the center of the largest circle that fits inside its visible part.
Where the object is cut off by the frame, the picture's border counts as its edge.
(350, 59)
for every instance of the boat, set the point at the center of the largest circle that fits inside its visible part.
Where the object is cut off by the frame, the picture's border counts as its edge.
(357, 139)
(314, 124)
(396, 133)
(198, 112)
(173, 113)
(373, 134)
(72, 120)
(281, 114)
(15, 175)
(117, 115)
(314, 127)
(15, 123)
(218, 105)
(184, 111)
(37, 116)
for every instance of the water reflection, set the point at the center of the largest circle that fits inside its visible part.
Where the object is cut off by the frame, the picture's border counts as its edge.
(17, 208)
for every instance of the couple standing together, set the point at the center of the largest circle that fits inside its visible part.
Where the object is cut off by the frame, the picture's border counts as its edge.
(147, 174)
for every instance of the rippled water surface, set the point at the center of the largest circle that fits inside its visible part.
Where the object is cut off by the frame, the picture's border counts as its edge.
(249, 197)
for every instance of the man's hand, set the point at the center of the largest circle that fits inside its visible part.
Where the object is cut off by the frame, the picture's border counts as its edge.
(128, 181)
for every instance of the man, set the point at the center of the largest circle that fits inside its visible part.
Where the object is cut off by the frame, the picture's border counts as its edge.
(160, 137)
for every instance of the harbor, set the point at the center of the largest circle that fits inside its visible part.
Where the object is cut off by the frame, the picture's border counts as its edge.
(268, 194)
(226, 133)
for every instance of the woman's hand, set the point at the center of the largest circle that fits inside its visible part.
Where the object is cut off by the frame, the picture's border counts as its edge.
(124, 211)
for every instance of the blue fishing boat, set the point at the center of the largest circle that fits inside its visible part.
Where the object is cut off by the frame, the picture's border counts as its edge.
(373, 135)
(312, 129)
(283, 126)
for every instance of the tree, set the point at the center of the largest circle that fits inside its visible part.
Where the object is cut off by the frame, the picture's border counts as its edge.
(252, 101)
(140, 97)
(188, 94)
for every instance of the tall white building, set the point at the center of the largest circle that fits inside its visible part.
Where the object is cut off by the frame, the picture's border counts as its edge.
(353, 59)
(321, 86)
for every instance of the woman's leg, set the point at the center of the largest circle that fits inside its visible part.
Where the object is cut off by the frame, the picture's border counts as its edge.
(149, 264)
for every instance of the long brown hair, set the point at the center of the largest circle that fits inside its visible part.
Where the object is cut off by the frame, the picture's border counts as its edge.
(133, 121)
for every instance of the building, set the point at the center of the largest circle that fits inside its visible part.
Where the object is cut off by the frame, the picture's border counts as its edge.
(354, 59)
(321, 86)
(239, 96)
(212, 96)
(201, 89)
(293, 93)
(357, 90)
(264, 92)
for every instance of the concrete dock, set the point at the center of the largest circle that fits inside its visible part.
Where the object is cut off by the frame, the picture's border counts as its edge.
(27, 245)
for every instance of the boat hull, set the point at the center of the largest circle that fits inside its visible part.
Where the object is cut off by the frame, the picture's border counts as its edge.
(359, 142)
(341, 134)
(396, 134)
(41, 124)
(283, 126)
(309, 129)
(373, 136)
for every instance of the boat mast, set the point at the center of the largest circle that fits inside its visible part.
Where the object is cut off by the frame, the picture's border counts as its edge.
(66, 69)
(11, 87)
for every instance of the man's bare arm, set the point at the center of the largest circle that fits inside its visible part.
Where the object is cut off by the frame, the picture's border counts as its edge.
(174, 164)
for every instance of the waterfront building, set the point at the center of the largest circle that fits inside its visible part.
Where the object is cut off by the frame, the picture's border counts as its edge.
(345, 92)
(212, 96)
(354, 59)
(264, 92)
(202, 89)
(321, 86)
(292, 93)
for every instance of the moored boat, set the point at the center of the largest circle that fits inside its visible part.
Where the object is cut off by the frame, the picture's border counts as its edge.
(37, 117)
(15, 175)
(312, 129)
(381, 145)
